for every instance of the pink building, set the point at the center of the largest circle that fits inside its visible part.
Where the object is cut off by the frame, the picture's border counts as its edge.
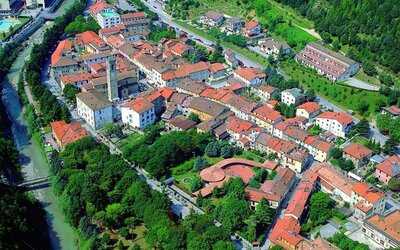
(388, 169)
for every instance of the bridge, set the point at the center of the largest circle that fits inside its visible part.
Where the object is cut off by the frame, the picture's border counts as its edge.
(36, 183)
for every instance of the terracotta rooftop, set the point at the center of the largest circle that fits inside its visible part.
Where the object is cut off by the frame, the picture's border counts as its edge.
(138, 14)
(251, 24)
(250, 73)
(62, 47)
(76, 77)
(215, 94)
(238, 125)
(98, 7)
(139, 105)
(341, 117)
(389, 224)
(267, 88)
(267, 114)
(391, 166)
(370, 194)
(215, 67)
(67, 133)
(89, 37)
(333, 179)
(318, 143)
(357, 151)
(310, 107)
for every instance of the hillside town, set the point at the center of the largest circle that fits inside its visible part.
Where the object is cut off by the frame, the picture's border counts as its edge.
(288, 149)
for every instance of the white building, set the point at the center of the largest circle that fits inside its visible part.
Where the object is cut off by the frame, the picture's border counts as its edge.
(94, 108)
(292, 96)
(338, 123)
(250, 76)
(105, 14)
(384, 230)
(138, 113)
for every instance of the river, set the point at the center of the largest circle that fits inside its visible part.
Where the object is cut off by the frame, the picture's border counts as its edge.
(34, 163)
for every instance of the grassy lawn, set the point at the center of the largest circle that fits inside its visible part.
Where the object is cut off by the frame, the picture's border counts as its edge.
(233, 8)
(360, 140)
(229, 7)
(249, 155)
(366, 78)
(184, 174)
(131, 141)
(343, 96)
(293, 35)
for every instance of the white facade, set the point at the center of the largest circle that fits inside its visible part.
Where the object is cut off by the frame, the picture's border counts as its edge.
(96, 118)
(292, 97)
(107, 18)
(333, 126)
(136, 119)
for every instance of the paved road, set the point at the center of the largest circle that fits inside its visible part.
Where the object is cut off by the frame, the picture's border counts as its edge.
(356, 83)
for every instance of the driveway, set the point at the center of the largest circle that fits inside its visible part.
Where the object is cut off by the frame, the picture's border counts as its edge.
(356, 83)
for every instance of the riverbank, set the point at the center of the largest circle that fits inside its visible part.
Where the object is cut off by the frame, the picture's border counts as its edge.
(33, 162)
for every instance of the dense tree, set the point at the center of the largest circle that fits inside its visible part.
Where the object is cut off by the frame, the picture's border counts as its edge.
(22, 221)
(82, 24)
(345, 243)
(394, 184)
(288, 111)
(70, 92)
(361, 128)
(368, 27)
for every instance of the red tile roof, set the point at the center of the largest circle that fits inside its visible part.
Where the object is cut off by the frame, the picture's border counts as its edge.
(179, 49)
(389, 164)
(267, 88)
(341, 117)
(73, 78)
(112, 30)
(286, 233)
(215, 94)
(139, 105)
(63, 46)
(251, 24)
(139, 14)
(250, 73)
(89, 37)
(215, 67)
(318, 143)
(187, 69)
(310, 107)
(390, 224)
(238, 125)
(67, 133)
(357, 151)
(98, 7)
(368, 193)
(267, 114)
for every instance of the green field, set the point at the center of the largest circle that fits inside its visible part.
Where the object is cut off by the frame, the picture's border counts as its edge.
(343, 96)
(288, 30)
(242, 51)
